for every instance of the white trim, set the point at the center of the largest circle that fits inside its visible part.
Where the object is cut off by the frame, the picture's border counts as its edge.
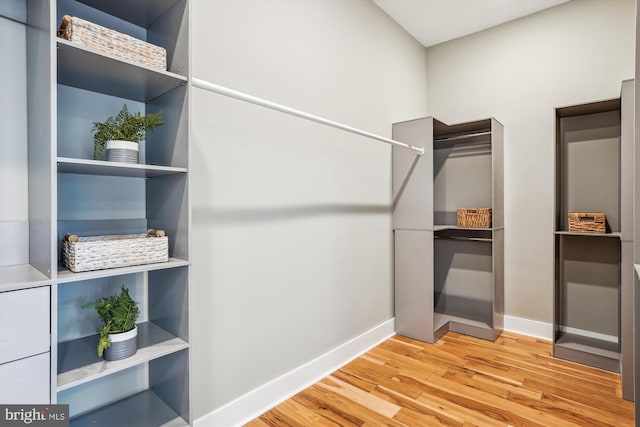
(589, 334)
(254, 403)
(543, 330)
(533, 328)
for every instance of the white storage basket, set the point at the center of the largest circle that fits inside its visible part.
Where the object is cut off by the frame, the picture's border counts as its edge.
(112, 42)
(101, 252)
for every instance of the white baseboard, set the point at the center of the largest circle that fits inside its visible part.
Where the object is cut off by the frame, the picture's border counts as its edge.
(543, 330)
(532, 328)
(253, 404)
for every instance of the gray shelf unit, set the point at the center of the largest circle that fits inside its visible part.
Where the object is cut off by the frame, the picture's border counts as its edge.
(593, 314)
(69, 88)
(448, 278)
(634, 295)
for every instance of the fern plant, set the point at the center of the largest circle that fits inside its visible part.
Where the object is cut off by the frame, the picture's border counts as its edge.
(118, 313)
(125, 127)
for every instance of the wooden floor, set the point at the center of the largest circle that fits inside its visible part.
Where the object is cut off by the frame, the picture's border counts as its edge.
(459, 381)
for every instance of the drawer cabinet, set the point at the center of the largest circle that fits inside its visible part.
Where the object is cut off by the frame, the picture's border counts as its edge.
(25, 344)
(24, 323)
(25, 381)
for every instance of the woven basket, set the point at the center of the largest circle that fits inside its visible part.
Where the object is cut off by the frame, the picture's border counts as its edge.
(587, 222)
(112, 42)
(474, 218)
(101, 252)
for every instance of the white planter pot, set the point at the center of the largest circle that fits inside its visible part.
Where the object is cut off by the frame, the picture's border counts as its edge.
(123, 345)
(122, 151)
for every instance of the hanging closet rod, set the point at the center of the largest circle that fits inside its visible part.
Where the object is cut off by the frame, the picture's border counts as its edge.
(463, 136)
(212, 87)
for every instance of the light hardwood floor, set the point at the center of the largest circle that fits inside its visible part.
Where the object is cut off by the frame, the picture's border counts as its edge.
(459, 381)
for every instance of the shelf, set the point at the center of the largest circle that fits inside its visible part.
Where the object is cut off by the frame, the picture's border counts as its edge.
(479, 138)
(583, 234)
(444, 323)
(67, 276)
(99, 167)
(22, 276)
(89, 69)
(455, 227)
(441, 319)
(143, 409)
(463, 233)
(78, 362)
(140, 12)
(589, 351)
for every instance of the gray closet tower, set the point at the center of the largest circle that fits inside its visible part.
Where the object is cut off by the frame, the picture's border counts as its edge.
(448, 278)
(593, 321)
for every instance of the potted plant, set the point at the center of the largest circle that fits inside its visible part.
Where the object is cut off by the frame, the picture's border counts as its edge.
(118, 336)
(121, 134)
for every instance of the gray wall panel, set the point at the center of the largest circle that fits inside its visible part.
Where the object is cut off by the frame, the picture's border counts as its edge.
(497, 151)
(626, 320)
(463, 278)
(627, 199)
(414, 296)
(590, 284)
(591, 166)
(413, 176)
(626, 163)
(462, 178)
(498, 279)
(41, 103)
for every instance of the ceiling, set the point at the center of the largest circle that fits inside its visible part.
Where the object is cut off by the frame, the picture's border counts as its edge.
(436, 21)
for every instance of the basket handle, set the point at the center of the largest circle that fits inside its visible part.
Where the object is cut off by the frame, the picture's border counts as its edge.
(62, 31)
(155, 233)
(68, 237)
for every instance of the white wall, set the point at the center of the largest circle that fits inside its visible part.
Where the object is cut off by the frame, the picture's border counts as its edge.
(291, 242)
(519, 72)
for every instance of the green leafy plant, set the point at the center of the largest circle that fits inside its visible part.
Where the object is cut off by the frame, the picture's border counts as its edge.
(118, 313)
(125, 127)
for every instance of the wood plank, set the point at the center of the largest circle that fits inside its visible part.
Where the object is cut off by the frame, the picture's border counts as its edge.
(348, 409)
(321, 406)
(381, 375)
(359, 396)
(624, 418)
(290, 412)
(444, 410)
(489, 384)
(506, 409)
(458, 381)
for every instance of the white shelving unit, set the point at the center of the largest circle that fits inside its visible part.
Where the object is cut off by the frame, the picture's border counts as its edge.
(70, 87)
(25, 287)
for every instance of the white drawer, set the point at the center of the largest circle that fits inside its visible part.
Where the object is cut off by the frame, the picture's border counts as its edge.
(24, 323)
(26, 381)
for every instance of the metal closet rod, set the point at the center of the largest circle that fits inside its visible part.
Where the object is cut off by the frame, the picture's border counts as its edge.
(212, 87)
